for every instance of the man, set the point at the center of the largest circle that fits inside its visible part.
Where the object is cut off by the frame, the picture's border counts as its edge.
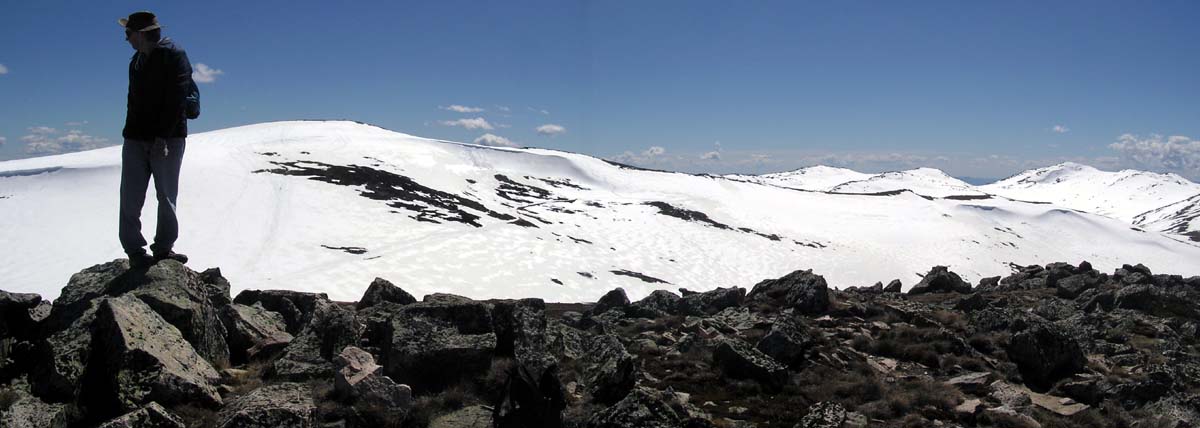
(155, 133)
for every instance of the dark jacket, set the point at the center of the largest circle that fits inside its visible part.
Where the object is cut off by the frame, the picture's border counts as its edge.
(158, 83)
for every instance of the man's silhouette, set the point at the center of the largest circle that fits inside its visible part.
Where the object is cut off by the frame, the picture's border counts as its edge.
(155, 133)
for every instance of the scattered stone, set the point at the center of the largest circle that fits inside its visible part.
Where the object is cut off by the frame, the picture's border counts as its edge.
(641, 408)
(973, 383)
(381, 290)
(284, 405)
(940, 280)
(969, 408)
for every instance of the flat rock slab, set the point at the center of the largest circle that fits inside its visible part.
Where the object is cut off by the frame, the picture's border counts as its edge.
(285, 405)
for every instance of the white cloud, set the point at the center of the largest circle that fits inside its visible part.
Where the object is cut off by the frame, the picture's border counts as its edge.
(713, 155)
(476, 123)
(651, 155)
(495, 140)
(654, 151)
(76, 124)
(551, 129)
(46, 141)
(1059, 129)
(1176, 153)
(3, 69)
(204, 74)
(461, 109)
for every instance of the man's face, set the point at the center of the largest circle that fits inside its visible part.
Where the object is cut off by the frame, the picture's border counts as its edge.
(135, 38)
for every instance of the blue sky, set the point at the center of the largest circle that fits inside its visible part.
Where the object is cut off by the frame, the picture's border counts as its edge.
(974, 88)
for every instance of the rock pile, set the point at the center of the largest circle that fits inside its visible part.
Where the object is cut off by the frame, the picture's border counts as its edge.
(1059, 344)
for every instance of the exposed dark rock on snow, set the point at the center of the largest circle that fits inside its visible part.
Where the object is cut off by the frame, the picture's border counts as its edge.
(941, 280)
(801, 290)
(351, 250)
(638, 275)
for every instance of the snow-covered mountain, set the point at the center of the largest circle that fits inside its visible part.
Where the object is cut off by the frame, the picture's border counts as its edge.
(923, 181)
(328, 206)
(1182, 218)
(1130, 195)
(818, 178)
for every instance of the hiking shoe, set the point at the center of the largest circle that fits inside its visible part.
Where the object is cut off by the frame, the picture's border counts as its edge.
(181, 258)
(140, 261)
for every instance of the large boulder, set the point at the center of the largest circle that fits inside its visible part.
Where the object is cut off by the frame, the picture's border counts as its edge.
(297, 308)
(612, 299)
(520, 327)
(738, 360)
(416, 349)
(1045, 354)
(253, 332)
(309, 356)
(1159, 300)
(151, 415)
(659, 301)
(17, 326)
(63, 354)
(381, 290)
(941, 280)
(802, 290)
(609, 371)
(711, 302)
(361, 383)
(787, 341)
(191, 302)
(285, 405)
(641, 408)
(137, 357)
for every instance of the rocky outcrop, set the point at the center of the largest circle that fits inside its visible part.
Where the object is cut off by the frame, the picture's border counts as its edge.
(137, 357)
(418, 341)
(381, 290)
(940, 280)
(801, 290)
(609, 371)
(710, 302)
(286, 405)
(331, 327)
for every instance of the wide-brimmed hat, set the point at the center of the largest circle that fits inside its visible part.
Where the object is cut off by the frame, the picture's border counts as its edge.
(140, 21)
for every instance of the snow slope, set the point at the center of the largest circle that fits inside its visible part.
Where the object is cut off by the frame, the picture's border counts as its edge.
(1182, 217)
(923, 181)
(328, 206)
(819, 178)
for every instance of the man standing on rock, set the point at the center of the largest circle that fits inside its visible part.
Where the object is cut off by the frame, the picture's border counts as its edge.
(155, 131)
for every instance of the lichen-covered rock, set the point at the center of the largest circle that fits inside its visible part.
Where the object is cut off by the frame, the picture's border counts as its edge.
(941, 280)
(564, 342)
(27, 411)
(520, 327)
(137, 358)
(787, 341)
(825, 414)
(659, 301)
(285, 405)
(1074, 285)
(417, 350)
(297, 308)
(253, 331)
(641, 408)
(802, 290)
(711, 302)
(609, 371)
(309, 356)
(361, 383)
(738, 360)
(63, 353)
(149, 416)
(191, 302)
(381, 290)
(1044, 354)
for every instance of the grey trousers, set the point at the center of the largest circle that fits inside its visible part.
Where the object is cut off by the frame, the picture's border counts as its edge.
(141, 160)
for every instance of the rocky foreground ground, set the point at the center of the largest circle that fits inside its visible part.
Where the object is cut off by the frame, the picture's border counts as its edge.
(1055, 345)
